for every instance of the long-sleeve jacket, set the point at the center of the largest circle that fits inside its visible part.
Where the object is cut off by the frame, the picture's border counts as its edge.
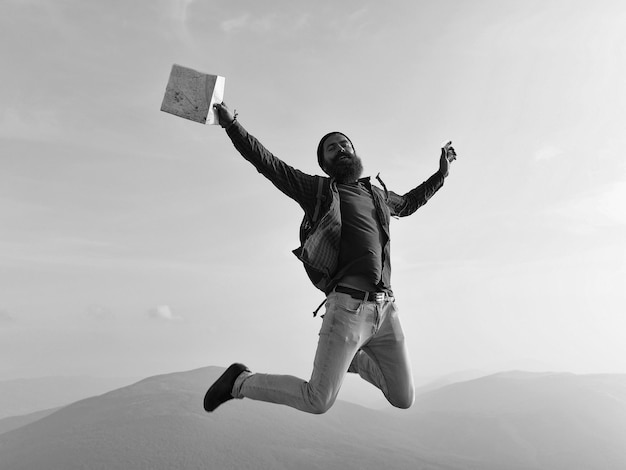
(318, 196)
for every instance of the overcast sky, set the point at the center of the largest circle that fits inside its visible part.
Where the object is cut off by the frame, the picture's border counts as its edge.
(134, 242)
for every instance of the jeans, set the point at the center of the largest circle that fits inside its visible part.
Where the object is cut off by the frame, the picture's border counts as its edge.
(356, 336)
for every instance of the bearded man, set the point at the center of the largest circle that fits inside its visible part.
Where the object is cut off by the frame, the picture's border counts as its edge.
(346, 253)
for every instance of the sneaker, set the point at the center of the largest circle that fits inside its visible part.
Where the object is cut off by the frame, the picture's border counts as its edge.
(220, 391)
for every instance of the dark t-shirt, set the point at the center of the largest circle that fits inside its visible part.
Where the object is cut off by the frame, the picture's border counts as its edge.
(362, 238)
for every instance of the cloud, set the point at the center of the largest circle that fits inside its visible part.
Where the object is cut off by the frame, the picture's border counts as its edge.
(353, 25)
(301, 22)
(99, 312)
(234, 24)
(359, 15)
(279, 23)
(548, 152)
(603, 207)
(6, 318)
(163, 312)
(265, 23)
(612, 202)
(180, 8)
(178, 12)
(261, 24)
(40, 124)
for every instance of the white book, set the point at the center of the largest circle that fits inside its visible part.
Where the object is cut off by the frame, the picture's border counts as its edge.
(191, 94)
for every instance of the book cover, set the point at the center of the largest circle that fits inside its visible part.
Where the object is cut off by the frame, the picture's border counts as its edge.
(191, 94)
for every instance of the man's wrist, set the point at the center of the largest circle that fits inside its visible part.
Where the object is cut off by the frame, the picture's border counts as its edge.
(227, 126)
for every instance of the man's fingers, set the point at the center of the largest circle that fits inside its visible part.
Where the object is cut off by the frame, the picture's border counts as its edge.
(448, 151)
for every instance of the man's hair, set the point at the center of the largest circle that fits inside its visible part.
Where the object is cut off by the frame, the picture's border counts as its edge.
(320, 147)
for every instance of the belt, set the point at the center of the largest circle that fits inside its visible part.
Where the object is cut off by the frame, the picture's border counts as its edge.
(362, 295)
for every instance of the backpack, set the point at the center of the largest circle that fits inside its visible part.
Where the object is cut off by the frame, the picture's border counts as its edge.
(306, 228)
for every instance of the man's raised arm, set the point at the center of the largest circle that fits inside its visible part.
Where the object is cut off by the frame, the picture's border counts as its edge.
(408, 203)
(294, 183)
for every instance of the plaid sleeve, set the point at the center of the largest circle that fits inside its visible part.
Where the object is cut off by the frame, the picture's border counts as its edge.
(299, 186)
(401, 206)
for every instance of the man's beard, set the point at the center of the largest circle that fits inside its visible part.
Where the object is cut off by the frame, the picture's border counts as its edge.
(346, 170)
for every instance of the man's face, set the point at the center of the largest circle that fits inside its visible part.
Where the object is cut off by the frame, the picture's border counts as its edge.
(340, 160)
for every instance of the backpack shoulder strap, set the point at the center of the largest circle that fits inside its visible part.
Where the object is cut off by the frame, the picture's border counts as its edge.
(318, 202)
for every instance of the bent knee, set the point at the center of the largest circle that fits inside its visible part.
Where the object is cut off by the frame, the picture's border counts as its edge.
(404, 405)
(319, 408)
(403, 402)
(319, 405)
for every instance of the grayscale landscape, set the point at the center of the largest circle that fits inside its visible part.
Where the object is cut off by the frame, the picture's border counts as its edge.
(140, 250)
(511, 420)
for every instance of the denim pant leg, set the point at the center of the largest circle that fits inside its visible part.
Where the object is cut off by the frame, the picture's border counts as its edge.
(384, 360)
(347, 324)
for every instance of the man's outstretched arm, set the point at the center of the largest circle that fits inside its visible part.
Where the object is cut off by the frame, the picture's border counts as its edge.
(408, 203)
(294, 183)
